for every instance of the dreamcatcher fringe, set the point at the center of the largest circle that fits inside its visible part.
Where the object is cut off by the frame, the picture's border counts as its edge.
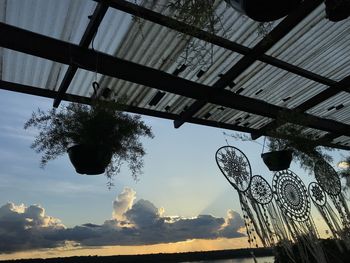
(293, 231)
(264, 224)
(331, 219)
(248, 220)
(344, 215)
(277, 223)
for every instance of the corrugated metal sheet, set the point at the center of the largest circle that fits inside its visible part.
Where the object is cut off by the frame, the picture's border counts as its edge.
(64, 19)
(58, 19)
(335, 108)
(344, 140)
(29, 70)
(315, 44)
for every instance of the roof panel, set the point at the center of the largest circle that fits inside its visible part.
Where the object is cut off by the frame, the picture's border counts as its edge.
(29, 70)
(59, 19)
(317, 45)
(344, 140)
(111, 31)
(336, 108)
(276, 86)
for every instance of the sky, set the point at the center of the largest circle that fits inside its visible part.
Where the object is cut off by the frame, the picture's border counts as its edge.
(180, 203)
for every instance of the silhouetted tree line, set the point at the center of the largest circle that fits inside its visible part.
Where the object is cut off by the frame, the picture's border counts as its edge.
(173, 257)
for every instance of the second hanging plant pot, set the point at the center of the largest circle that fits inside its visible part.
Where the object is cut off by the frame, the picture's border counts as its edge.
(89, 160)
(337, 10)
(277, 160)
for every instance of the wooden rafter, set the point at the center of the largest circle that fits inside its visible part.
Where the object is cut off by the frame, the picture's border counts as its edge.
(85, 41)
(36, 91)
(60, 51)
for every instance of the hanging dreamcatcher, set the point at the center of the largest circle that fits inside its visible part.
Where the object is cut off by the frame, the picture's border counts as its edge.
(261, 197)
(293, 201)
(319, 199)
(329, 180)
(236, 168)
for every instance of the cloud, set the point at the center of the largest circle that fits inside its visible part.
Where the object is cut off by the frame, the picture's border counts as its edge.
(132, 223)
(143, 214)
(233, 224)
(123, 203)
(24, 228)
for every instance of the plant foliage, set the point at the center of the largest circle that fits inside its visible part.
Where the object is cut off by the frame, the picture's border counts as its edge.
(202, 15)
(289, 136)
(101, 125)
(305, 149)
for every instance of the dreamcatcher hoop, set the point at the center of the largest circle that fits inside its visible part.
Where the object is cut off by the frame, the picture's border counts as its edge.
(291, 195)
(317, 195)
(260, 190)
(327, 178)
(235, 166)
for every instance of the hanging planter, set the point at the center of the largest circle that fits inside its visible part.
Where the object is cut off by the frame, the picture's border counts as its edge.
(89, 160)
(264, 11)
(337, 10)
(98, 138)
(277, 160)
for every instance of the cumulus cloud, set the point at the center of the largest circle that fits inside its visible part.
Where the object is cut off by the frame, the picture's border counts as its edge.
(24, 227)
(132, 223)
(233, 224)
(123, 203)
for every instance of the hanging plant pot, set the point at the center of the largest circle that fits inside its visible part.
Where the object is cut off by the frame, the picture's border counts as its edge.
(264, 11)
(337, 10)
(89, 160)
(277, 160)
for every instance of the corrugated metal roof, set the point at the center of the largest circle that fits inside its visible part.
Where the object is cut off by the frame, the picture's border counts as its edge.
(59, 19)
(315, 44)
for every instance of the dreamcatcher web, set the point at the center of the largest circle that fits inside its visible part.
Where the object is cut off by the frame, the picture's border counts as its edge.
(291, 195)
(328, 178)
(317, 195)
(260, 190)
(235, 166)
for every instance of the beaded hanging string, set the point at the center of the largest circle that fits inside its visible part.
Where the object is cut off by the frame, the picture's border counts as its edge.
(236, 168)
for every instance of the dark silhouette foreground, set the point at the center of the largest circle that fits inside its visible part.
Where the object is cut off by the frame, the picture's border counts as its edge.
(174, 257)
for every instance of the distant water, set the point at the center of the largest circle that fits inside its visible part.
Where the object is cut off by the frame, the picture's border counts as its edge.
(238, 260)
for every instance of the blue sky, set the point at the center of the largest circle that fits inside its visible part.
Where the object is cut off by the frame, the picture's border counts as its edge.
(180, 174)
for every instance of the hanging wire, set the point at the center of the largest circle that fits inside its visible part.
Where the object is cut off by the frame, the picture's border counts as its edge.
(95, 84)
(93, 48)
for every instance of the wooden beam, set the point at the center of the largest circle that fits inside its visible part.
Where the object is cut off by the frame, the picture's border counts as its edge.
(51, 94)
(30, 90)
(85, 41)
(56, 50)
